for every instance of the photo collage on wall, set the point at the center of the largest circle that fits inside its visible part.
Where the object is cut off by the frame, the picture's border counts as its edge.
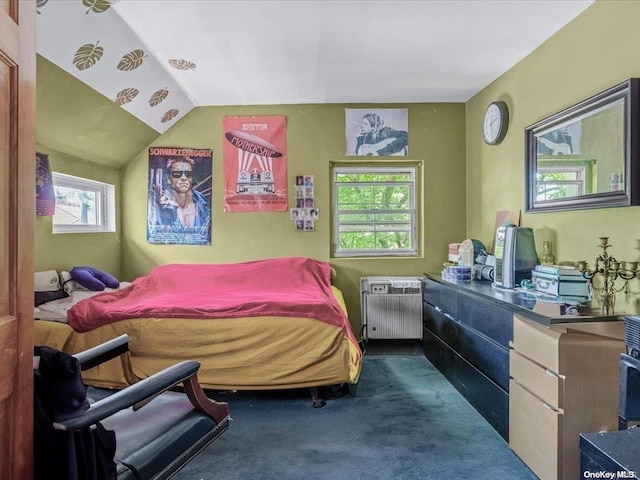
(305, 213)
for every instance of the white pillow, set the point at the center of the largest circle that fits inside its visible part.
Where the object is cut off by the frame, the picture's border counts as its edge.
(46, 281)
(69, 284)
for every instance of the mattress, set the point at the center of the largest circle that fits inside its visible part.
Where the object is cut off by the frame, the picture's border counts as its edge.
(56, 310)
(252, 353)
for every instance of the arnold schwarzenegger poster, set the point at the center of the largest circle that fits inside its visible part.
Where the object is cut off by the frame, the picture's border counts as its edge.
(255, 164)
(179, 202)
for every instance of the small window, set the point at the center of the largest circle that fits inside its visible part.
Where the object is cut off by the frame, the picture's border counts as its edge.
(560, 182)
(83, 206)
(374, 211)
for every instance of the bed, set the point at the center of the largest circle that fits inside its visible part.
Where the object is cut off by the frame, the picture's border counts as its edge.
(261, 325)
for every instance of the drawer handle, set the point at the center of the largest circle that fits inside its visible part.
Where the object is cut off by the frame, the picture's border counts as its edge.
(443, 312)
(551, 373)
(549, 407)
(554, 374)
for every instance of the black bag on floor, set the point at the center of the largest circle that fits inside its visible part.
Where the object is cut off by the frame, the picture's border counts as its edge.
(86, 454)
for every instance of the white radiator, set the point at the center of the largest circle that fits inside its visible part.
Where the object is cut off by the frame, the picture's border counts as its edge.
(391, 307)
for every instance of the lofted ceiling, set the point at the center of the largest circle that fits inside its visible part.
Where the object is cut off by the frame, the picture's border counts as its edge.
(158, 59)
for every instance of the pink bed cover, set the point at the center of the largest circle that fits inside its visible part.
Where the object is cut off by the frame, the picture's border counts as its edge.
(287, 287)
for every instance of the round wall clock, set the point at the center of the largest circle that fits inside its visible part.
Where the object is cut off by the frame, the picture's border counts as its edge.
(496, 122)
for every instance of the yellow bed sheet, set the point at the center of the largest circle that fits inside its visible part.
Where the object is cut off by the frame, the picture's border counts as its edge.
(254, 353)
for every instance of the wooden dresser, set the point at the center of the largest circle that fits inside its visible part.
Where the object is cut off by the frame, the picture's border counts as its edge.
(564, 381)
(538, 378)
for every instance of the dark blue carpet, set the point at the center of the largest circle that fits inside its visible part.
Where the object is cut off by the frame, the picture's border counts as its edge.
(402, 421)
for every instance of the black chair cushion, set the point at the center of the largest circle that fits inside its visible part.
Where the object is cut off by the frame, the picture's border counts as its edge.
(161, 436)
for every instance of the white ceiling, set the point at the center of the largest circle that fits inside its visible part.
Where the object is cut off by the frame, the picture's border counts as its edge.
(259, 52)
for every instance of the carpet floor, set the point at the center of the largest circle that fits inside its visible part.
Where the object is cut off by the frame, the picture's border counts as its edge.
(402, 421)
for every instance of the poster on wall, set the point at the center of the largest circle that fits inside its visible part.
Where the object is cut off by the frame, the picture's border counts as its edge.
(179, 202)
(377, 132)
(45, 196)
(565, 140)
(255, 164)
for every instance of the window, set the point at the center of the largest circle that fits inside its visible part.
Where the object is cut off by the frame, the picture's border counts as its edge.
(374, 211)
(83, 206)
(563, 179)
(559, 183)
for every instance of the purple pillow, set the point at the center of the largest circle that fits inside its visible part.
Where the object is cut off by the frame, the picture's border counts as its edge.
(93, 279)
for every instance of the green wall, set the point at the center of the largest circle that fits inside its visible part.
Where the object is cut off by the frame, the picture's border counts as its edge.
(64, 251)
(315, 137)
(75, 120)
(465, 181)
(594, 52)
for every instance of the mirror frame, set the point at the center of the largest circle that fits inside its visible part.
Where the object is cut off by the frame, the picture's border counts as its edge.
(629, 92)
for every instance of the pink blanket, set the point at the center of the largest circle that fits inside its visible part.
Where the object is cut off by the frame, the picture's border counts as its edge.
(289, 287)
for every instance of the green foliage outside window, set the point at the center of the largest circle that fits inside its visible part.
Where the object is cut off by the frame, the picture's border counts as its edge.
(555, 184)
(375, 212)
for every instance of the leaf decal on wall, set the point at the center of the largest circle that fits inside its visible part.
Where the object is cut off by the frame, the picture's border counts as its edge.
(87, 56)
(131, 60)
(170, 115)
(97, 6)
(40, 4)
(182, 64)
(158, 97)
(126, 95)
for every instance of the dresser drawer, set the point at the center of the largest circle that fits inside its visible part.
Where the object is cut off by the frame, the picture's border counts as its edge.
(486, 318)
(442, 296)
(541, 381)
(535, 432)
(537, 342)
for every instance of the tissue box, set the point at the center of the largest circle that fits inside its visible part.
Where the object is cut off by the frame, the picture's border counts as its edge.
(454, 252)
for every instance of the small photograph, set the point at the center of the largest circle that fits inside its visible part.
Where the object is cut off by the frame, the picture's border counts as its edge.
(616, 182)
(300, 202)
(313, 214)
(294, 214)
(308, 191)
(308, 202)
(299, 192)
(304, 214)
(308, 180)
(299, 180)
(299, 224)
(309, 225)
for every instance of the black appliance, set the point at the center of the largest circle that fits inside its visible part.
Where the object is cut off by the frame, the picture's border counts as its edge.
(629, 395)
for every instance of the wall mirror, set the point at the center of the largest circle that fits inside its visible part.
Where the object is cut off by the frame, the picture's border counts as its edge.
(587, 155)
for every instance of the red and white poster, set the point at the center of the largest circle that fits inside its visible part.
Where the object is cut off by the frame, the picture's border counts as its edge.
(255, 164)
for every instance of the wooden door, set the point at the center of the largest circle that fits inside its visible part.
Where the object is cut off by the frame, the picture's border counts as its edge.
(17, 217)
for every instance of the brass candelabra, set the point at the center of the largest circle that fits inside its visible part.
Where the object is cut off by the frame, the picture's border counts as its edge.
(607, 270)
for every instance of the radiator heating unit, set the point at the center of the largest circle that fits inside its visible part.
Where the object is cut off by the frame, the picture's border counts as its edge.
(391, 307)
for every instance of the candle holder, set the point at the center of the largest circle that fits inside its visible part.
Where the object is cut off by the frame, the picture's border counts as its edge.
(606, 271)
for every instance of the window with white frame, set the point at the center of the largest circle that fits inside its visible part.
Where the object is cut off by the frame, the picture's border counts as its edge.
(82, 205)
(374, 211)
(555, 182)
